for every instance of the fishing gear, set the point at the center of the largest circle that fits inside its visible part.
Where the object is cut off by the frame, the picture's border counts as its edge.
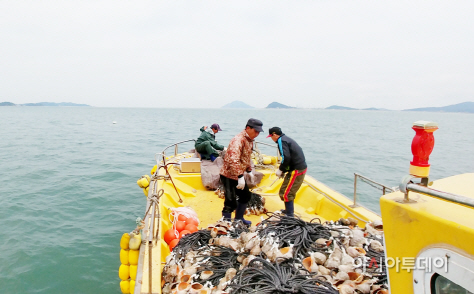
(261, 276)
(190, 242)
(294, 232)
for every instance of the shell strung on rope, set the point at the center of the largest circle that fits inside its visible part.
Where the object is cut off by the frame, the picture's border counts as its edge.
(356, 251)
(346, 289)
(356, 277)
(376, 246)
(310, 265)
(206, 275)
(357, 238)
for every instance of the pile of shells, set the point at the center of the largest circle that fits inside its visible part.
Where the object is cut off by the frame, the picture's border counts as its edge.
(256, 205)
(284, 254)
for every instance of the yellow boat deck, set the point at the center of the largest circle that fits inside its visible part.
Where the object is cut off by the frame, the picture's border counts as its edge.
(314, 200)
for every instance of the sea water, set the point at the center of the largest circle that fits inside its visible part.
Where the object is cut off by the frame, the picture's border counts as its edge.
(68, 175)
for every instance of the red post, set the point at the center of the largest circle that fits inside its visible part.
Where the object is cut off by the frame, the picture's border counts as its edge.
(421, 147)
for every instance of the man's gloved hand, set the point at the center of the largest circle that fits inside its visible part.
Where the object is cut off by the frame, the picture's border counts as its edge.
(241, 183)
(252, 176)
(279, 173)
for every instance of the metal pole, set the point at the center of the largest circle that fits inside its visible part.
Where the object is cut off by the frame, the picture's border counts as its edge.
(150, 247)
(440, 194)
(355, 191)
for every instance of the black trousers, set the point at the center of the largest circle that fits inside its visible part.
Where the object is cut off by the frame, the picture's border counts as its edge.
(234, 195)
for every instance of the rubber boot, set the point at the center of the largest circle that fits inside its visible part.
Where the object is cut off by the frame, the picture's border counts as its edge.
(227, 216)
(290, 208)
(239, 213)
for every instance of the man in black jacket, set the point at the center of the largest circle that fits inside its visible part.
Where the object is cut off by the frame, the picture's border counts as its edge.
(293, 164)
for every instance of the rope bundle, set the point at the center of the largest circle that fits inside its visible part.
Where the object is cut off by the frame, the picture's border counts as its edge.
(261, 276)
(293, 231)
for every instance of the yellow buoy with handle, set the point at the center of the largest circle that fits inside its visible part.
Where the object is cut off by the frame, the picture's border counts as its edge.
(145, 191)
(125, 241)
(125, 286)
(124, 256)
(133, 256)
(124, 272)
(135, 241)
(144, 181)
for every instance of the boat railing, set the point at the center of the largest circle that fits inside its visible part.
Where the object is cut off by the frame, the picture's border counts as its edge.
(372, 183)
(408, 185)
(255, 147)
(176, 150)
(161, 156)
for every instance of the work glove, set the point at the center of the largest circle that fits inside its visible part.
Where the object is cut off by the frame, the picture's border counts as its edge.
(241, 183)
(279, 173)
(225, 148)
(252, 177)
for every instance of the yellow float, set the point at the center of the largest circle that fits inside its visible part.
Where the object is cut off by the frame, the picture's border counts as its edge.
(124, 259)
(135, 241)
(125, 286)
(133, 272)
(144, 181)
(124, 272)
(132, 257)
(153, 170)
(124, 241)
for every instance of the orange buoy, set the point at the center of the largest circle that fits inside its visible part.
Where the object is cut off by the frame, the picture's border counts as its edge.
(179, 226)
(170, 236)
(173, 244)
(191, 227)
(182, 218)
(192, 221)
(184, 232)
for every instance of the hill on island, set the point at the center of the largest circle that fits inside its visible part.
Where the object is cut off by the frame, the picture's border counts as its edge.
(340, 107)
(278, 105)
(237, 104)
(467, 107)
(43, 104)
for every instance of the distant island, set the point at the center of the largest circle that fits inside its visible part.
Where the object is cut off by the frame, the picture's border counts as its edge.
(237, 104)
(465, 107)
(340, 107)
(43, 104)
(278, 105)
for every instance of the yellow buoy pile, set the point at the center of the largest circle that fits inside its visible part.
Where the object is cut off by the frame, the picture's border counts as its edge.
(129, 252)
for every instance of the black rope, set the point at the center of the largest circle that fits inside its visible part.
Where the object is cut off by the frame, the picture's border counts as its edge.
(261, 276)
(190, 242)
(293, 230)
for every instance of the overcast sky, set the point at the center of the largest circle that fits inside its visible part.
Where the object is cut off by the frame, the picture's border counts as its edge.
(385, 54)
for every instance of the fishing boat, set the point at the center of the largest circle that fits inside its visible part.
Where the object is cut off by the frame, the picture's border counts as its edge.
(427, 232)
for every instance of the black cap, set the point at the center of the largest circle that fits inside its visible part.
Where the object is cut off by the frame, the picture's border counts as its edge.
(255, 124)
(216, 127)
(274, 130)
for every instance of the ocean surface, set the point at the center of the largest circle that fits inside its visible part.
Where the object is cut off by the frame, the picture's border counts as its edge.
(68, 175)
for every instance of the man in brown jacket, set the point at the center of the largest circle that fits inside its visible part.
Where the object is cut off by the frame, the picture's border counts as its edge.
(236, 162)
